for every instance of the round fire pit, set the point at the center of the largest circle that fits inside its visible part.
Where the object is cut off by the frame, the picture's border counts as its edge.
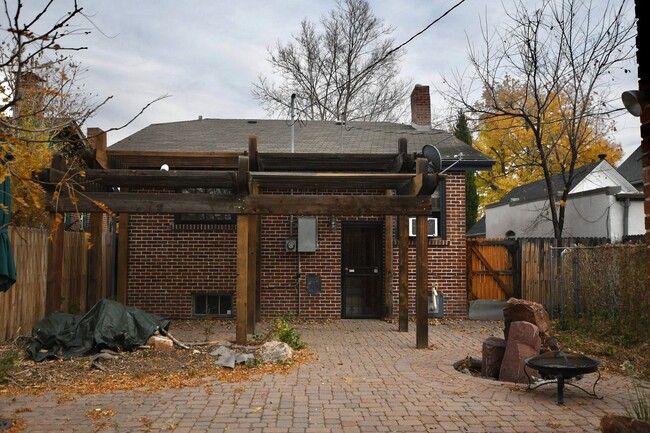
(561, 366)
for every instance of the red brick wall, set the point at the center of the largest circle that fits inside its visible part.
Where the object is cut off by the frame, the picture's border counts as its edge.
(446, 257)
(167, 264)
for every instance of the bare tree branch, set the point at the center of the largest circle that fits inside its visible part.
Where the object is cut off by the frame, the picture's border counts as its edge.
(548, 71)
(346, 70)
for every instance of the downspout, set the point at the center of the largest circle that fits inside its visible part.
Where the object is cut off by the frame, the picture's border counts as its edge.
(298, 285)
(293, 149)
(626, 216)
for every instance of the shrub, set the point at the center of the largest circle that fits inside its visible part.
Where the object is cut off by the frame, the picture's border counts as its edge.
(605, 293)
(282, 329)
(8, 361)
(639, 406)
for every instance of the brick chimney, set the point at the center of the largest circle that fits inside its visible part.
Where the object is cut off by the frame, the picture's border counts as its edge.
(421, 107)
(97, 140)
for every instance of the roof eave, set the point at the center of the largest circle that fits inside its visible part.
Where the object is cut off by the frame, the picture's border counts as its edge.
(468, 165)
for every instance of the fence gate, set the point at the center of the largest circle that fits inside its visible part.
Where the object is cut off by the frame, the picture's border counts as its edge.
(492, 269)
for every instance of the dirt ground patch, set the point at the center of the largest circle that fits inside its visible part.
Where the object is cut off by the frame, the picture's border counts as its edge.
(147, 369)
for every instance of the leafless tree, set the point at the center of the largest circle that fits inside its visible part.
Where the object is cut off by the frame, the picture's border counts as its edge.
(41, 94)
(561, 55)
(344, 70)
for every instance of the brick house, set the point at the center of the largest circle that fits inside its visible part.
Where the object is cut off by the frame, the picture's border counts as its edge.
(344, 266)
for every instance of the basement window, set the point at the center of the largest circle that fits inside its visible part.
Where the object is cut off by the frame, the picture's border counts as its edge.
(212, 305)
(205, 218)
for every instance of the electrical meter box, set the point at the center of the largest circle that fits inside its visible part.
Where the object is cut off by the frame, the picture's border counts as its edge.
(307, 234)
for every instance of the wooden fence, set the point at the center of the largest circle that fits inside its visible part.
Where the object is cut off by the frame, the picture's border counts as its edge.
(24, 303)
(526, 265)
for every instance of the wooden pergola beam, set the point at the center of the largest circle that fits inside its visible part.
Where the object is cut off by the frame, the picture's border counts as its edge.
(332, 162)
(408, 184)
(175, 160)
(130, 202)
(149, 178)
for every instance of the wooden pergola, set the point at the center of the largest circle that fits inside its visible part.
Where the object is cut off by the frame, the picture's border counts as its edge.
(397, 192)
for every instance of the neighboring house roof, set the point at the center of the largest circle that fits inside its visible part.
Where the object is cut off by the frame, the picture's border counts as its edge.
(589, 177)
(632, 168)
(477, 230)
(537, 189)
(231, 135)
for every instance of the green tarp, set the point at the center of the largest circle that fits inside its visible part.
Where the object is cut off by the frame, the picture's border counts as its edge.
(108, 324)
(7, 264)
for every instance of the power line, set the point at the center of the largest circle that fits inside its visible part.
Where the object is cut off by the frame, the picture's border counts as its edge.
(400, 46)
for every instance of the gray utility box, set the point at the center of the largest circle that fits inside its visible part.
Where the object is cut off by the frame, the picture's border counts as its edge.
(307, 234)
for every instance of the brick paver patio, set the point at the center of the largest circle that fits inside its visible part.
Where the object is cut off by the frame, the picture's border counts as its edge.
(368, 378)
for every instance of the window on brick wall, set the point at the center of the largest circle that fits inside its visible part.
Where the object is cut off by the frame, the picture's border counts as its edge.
(205, 218)
(437, 221)
(213, 305)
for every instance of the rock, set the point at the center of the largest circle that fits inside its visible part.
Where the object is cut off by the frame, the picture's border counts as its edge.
(523, 342)
(274, 351)
(520, 310)
(243, 357)
(227, 360)
(469, 365)
(623, 424)
(220, 351)
(158, 342)
(492, 356)
(550, 344)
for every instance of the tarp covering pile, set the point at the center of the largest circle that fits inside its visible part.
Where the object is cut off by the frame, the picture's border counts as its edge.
(108, 324)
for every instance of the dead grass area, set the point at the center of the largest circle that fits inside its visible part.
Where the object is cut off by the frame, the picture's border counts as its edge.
(146, 369)
(612, 354)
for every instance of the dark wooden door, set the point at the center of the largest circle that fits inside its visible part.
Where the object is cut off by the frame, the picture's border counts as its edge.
(362, 273)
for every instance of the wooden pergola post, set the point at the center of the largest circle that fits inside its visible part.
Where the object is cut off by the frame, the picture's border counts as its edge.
(55, 251)
(403, 227)
(253, 235)
(94, 290)
(422, 270)
(123, 259)
(243, 274)
(388, 263)
(256, 236)
(421, 283)
(246, 255)
(252, 282)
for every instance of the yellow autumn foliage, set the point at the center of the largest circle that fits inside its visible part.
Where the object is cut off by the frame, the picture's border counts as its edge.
(512, 143)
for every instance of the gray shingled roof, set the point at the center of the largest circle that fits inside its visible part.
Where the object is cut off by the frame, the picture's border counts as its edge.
(231, 135)
(477, 230)
(536, 190)
(632, 168)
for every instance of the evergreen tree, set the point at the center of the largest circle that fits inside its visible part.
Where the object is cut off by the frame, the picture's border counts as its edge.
(462, 132)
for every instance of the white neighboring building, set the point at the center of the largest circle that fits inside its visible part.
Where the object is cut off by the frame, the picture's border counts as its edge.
(602, 203)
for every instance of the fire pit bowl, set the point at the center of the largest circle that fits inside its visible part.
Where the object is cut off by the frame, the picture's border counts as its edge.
(561, 366)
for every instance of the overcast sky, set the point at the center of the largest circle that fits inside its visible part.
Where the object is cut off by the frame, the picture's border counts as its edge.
(206, 54)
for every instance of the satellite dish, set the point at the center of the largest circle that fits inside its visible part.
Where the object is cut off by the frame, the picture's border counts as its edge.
(432, 153)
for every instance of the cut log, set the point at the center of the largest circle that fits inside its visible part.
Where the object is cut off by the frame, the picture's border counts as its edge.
(492, 356)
